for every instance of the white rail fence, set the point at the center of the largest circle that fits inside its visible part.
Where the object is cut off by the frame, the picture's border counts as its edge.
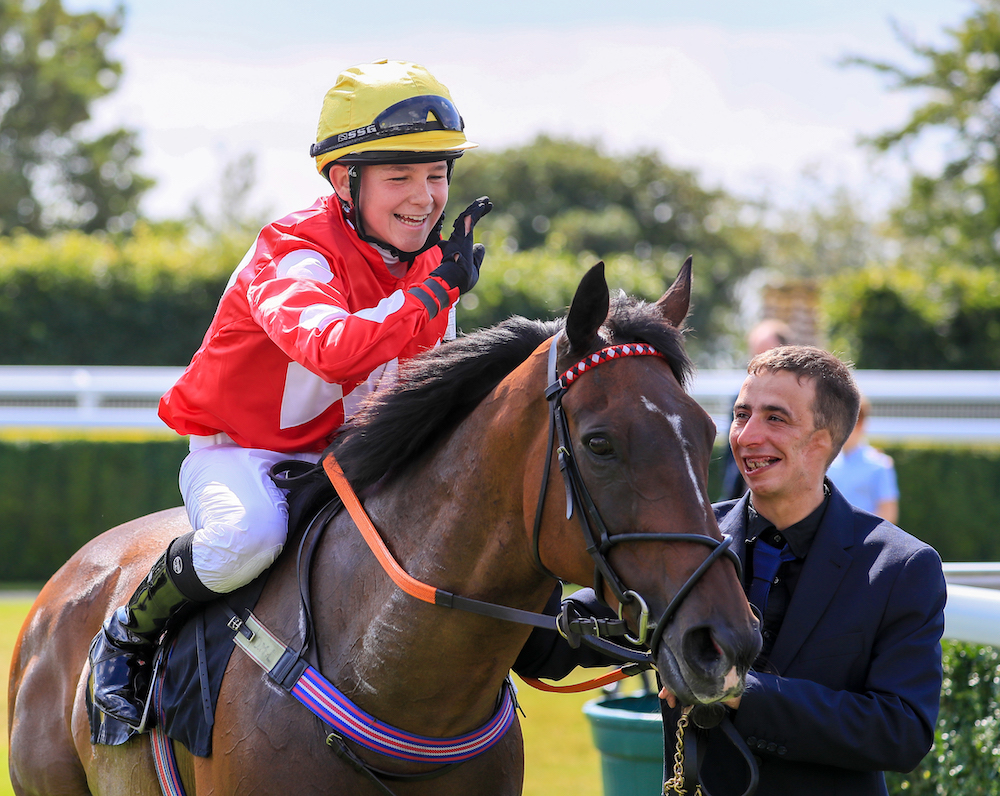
(113, 397)
(972, 613)
(907, 405)
(942, 406)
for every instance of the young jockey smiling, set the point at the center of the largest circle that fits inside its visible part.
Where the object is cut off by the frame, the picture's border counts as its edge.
(324, 305)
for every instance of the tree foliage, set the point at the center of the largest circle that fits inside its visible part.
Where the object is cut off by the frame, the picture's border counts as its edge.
(568, 194)
(564, 204)
(953, 215)
(53, 66)
(904, 318)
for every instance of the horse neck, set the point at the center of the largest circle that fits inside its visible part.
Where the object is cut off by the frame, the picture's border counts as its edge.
(457, 521)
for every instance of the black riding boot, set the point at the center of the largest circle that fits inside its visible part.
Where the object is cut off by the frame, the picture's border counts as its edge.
(121, 654)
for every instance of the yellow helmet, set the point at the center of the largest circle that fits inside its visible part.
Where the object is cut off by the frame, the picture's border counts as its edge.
(388, 111)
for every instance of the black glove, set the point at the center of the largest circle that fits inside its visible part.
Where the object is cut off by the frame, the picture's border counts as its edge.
(460, 259)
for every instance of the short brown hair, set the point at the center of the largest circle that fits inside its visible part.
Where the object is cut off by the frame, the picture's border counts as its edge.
(837, 397)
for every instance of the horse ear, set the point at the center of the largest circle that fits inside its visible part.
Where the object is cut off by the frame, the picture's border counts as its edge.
(588, 310)
(674, 304)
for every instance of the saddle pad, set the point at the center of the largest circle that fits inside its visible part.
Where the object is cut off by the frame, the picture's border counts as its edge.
(196, 658)
(198, 652)
(196, 661)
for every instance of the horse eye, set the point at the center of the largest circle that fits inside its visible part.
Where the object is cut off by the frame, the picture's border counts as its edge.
(600, 446)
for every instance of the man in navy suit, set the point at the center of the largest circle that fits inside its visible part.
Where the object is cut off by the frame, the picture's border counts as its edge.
(848, 683)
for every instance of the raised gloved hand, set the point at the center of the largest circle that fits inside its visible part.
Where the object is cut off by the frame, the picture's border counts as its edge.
(461, 259)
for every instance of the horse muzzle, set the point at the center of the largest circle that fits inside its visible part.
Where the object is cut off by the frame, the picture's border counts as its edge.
(705, 664)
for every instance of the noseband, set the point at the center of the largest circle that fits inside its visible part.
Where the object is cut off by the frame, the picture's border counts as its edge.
(595, 532)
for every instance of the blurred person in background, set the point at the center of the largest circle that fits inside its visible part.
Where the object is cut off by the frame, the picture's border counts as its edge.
(865, 475)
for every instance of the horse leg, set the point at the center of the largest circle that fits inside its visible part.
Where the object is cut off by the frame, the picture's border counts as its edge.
(43, 760)
(53, 756)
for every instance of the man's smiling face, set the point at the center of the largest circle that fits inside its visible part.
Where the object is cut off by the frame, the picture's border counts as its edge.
(781, 454)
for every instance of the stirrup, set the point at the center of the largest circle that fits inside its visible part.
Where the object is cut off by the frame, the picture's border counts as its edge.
(148, 719)
(139, 702)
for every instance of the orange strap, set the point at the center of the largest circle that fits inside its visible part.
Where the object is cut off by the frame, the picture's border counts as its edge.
(400, 576)
(421, 590)
(576, 688)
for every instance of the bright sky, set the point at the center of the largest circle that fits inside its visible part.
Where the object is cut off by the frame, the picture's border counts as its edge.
(747, 94)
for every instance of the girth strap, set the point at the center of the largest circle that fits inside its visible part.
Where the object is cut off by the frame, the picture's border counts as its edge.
(284, 666)
(164, 759)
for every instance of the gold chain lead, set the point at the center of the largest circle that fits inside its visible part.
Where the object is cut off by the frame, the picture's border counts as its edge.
(676, 782)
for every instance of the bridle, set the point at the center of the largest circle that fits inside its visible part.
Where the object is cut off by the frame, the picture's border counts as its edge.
(599, 540)
(591, 630)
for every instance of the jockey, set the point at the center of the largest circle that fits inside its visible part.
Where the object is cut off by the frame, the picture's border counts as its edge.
(323, 306)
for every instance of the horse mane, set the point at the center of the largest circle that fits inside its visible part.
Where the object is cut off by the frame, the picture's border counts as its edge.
(432, 393)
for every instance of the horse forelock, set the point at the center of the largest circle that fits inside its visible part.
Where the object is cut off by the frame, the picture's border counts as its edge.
(435, 391)
(632, 320)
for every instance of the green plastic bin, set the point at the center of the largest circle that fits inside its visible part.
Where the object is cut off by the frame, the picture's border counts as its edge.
(628, 732)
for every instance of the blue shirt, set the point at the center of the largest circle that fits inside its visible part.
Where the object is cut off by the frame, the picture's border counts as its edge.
(865, 476)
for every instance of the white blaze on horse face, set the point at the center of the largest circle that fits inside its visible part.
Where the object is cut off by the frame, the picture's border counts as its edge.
(677, 425)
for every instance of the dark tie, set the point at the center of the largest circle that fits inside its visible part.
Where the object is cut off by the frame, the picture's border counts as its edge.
(766, 560)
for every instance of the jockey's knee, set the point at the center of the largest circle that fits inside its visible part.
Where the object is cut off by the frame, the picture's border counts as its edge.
(228, 557)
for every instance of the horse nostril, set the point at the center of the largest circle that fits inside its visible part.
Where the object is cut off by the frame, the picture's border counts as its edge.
(701, 650)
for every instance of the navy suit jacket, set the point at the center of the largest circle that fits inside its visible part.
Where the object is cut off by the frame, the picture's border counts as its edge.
(853, 683)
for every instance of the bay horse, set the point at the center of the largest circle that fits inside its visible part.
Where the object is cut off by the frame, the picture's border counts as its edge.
(450, 465)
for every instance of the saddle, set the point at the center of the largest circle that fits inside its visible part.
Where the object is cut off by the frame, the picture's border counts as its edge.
(195, 650)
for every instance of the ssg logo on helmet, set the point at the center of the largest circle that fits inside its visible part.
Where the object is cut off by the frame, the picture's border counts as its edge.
(361, 132)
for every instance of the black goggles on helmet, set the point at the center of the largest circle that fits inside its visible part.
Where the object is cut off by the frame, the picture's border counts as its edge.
(412, 115)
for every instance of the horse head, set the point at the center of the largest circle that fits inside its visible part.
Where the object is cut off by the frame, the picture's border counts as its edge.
(639, 447)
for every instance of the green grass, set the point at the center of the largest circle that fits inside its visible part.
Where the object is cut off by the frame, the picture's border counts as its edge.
(559, 753)
(560, 757)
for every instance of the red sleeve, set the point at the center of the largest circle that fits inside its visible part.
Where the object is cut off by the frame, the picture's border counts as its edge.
(340, 324)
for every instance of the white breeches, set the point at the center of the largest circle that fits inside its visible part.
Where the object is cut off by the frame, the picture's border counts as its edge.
(239, 515)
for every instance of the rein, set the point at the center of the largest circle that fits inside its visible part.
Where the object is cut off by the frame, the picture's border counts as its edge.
(588, 627)
(592, 631)
(417, 588)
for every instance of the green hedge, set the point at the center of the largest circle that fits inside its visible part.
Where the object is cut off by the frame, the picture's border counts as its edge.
(950, 498)
(901, 317)
(57, 496)
(77, 299)
(966, 754)
(147, 299)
